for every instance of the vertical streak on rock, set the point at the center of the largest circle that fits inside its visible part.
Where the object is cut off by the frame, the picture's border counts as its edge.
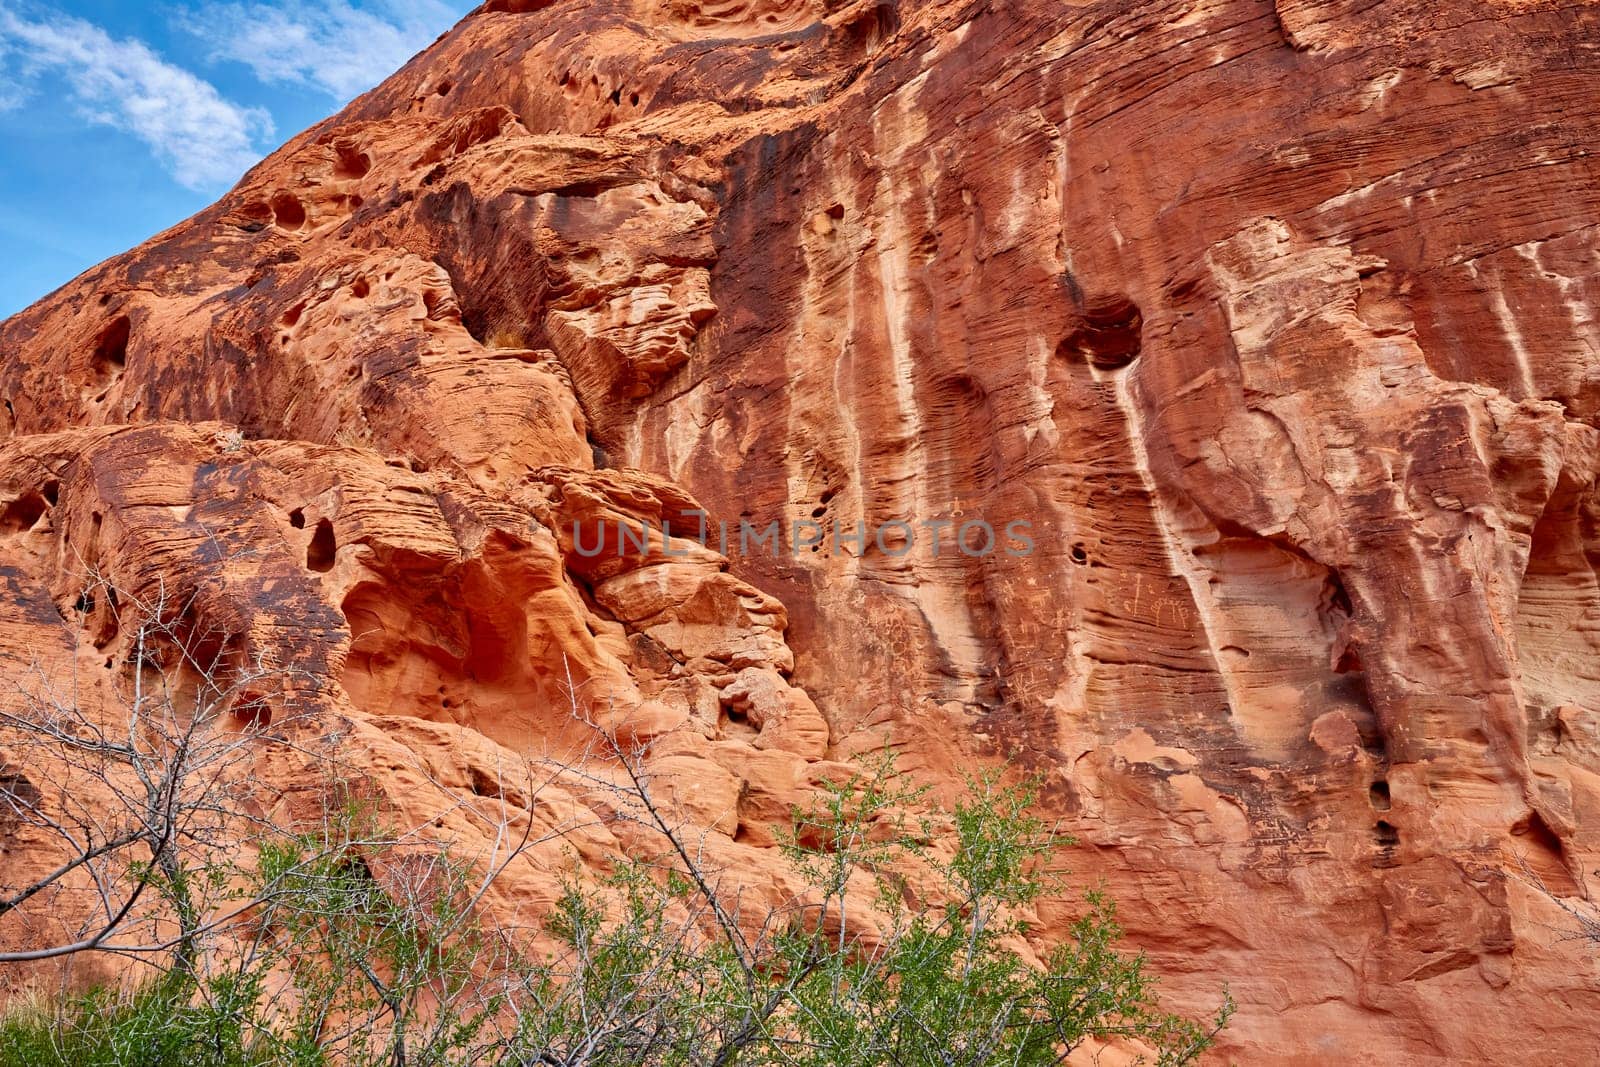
(1174, 547)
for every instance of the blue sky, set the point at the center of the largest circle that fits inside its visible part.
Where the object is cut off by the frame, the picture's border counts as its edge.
(119, 118)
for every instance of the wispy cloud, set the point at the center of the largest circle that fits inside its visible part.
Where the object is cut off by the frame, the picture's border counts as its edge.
(341, 47)
(204, 140)
(12, 91)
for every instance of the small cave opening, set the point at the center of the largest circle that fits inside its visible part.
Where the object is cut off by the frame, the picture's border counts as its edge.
(352, 163)
(253, 217)
(322, 549)
(252, 711)
(1385, 833)
(820, 511)
(1533, 828)
(297, 518)
(580, 190)
(106, 625)
(288, 212)
(111, 349)
(1107, 333)
(21, 514)
(1378, 794)
(1337, 597)
(485, 785)
(1545, 855)
(869, 27)
(736, 722)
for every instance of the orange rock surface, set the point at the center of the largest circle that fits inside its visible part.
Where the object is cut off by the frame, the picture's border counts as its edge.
(1274, 318)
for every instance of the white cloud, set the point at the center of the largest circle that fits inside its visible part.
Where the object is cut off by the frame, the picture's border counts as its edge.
(12, 91)
(340, 47)
(204, 140)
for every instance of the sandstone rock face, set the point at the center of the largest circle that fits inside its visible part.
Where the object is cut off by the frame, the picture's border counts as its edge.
(1276, 320)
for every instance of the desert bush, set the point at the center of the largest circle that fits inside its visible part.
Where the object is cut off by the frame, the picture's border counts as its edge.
(669, 975)
(904, 943)
(654, 964)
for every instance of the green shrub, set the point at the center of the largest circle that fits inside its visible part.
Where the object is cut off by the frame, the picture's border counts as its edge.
(895, 954)
(169, 1022)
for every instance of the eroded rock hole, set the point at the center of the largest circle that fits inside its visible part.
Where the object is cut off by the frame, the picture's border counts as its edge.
(1379, 795)
(323, 547)
(1336, 597)
(353, 163)
(484, 785)
(297, 519)
(871, 27)
(22, 513)
(111, 350)
(254, 217)
(105, 625)
(288, 212)
(1107, 333)
(581, 190)
(823, 501)
(252, 711)
(1533, 827)
(14, 785)
(736, 722)
(1079, 554)
(1385, 834)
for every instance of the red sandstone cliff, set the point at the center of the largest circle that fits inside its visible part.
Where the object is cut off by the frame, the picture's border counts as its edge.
(1275, 319)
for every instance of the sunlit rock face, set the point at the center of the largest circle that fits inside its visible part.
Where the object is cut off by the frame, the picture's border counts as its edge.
(1274, 322)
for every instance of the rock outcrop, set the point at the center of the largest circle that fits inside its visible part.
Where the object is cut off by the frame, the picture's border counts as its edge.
(1275, 320)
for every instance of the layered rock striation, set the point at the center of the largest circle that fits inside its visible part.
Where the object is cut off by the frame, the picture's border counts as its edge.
(1274, 320)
